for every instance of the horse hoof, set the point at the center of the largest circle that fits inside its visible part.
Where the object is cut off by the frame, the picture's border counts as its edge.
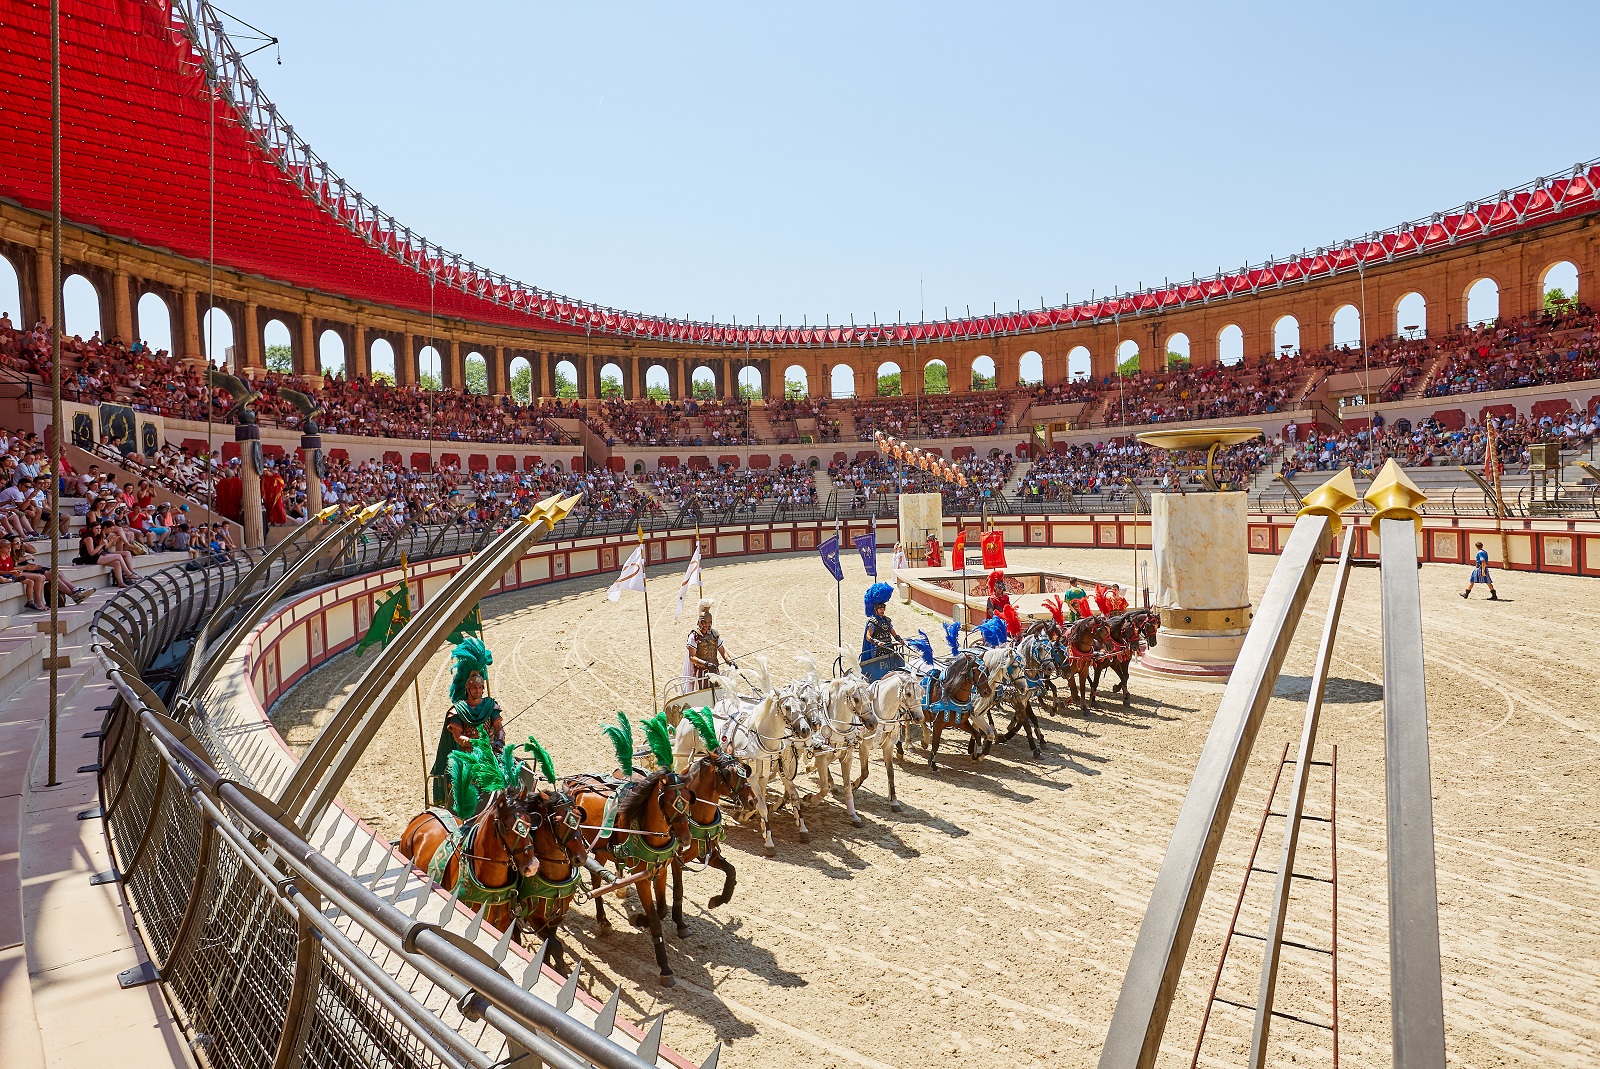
(770, 851)
(714, 901)
(602, 930)
(805, 837)
(894, 807)
(683, 931)
(669, 981)
(638, 920)
(858, 822)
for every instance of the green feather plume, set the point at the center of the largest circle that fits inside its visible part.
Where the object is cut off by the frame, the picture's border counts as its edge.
(659, 737)
(547, 767)
(621, 736)
(477, 771)
(701, 719)
(469, 656)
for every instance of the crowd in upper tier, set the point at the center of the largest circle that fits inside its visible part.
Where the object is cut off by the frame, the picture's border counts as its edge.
(1546, 347)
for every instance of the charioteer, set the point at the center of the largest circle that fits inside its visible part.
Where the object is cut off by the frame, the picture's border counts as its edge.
(880, 642)
(706, 653)
(471, 709)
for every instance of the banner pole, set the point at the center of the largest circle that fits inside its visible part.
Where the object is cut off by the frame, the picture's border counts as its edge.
(838, 590)
(655, 704)
(416, 698)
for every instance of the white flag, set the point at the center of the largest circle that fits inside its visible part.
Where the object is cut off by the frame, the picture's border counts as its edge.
(690, 577)
(631, 576)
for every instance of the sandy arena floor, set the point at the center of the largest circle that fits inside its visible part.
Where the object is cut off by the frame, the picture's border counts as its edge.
(990, 922)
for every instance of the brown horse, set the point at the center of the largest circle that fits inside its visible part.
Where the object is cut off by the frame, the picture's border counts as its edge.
(559, 844)
(1083, 645)
(948, 699)
(649, 826)
(1124, 633)
(710, 779)
(495, 841)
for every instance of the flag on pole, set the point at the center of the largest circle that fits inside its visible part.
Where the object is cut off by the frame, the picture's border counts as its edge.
(994, 549)
(631, 577)
(388, 618)
(471, 625)
(691, 576)
(958, 551)
(829, 549)
(867, 546)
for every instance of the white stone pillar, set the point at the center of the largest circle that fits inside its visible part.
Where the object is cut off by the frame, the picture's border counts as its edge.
(1202, 582)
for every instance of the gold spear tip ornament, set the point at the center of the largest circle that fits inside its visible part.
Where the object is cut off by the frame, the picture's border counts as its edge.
(1330, 499)
(1393, 496)
(373, 511)
(326, 514)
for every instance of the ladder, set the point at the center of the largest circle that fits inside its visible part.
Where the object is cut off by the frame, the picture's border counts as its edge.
(1329, 879)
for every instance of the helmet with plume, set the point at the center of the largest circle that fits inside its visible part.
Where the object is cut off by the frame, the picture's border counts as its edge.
(469, 656)
(877, 594)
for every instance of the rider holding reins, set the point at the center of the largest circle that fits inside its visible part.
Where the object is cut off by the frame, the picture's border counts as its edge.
(705, 649)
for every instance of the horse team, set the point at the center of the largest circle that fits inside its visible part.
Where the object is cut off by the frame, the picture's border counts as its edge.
(532, 836)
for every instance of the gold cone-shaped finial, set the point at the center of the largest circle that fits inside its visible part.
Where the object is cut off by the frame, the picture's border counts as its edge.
(1330, 499)
(1393, 496)
(373, 511)
(326, 514)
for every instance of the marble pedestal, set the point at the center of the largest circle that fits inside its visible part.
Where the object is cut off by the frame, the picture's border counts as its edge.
(921, 515)
(1202, 582)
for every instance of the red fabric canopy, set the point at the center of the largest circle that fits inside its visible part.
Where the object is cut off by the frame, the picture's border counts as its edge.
(136, 143)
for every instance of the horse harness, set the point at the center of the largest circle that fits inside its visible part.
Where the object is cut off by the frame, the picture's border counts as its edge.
(460, 840)
(628, 844)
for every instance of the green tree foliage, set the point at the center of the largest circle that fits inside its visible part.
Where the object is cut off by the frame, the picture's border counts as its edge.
(704, 389)
(280, 358)
(565, 387)
(748, 392)
(982, 382)
(658, 393)
(889, 385)
(610, 386)
(476, 374)
(383, 378)
(1556, 301)
(794, 389)
(522, 385)
(1177, 361)
(1129, 367)
(429, 381)
(936, 378)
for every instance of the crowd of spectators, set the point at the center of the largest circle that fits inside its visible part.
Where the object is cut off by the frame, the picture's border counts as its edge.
(1428, 443)
(788, 413)
(858, 483)
(1109, 467)
(723, 490)
(972, 415)
(1532, 351)
(649, 422)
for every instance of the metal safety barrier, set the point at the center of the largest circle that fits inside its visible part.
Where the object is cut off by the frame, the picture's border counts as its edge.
(271, 955)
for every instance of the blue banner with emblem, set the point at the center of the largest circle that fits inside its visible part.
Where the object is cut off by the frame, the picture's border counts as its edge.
(867, 546)
(829, 550)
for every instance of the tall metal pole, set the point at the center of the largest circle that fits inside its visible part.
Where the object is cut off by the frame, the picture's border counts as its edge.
(655, 704)
(416, 699)
(57, 325)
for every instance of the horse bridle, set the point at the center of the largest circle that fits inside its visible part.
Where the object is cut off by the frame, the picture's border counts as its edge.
(571, 820)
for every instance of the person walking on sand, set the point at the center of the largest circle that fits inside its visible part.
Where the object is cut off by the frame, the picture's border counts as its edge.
(1480, 573)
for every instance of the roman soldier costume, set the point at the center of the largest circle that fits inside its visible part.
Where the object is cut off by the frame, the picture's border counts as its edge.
(1110, 599)
(705, 649)
(471, 711)
(935, 553)
(880, 643)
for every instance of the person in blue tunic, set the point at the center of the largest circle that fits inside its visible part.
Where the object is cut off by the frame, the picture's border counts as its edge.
(880, 643)
(1480, 573)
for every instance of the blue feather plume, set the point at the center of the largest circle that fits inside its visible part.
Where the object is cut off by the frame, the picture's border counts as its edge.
(952, 635)
(993, 631)
(923, 645)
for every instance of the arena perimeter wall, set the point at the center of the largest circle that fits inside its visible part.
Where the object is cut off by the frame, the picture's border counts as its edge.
(302, 634)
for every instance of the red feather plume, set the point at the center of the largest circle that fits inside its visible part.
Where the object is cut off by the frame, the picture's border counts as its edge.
(1057, 610)
(1008, 613)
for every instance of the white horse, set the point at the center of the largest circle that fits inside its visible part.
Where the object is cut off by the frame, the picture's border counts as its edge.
(896, 705)
(848, 723)
(755, 730)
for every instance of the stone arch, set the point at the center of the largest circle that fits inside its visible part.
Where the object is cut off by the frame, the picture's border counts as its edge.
(984, 370)
(275, 335)
(430, 362)
(1285, 336)
(658, 378)
(1411, 315)
(611, 381)
(1483, 301)
(474, 359)
(1346, 326)
(380, 359)
(935, 376)
(1126, 352)
(80, 306)
(217, 338)
(519, 379)
(1030, 368)
(703, 383)
(152, 322)
(795, 381)
(11, 292)
(886, 386)
(842, 381)
(749, 382)
(1080, 363)
(331, 358)
(1178, 348)
(1230, 345)
(571, 387)
(1561, 275)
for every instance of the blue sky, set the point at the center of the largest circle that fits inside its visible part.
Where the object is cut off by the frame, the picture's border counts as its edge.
(857, 159)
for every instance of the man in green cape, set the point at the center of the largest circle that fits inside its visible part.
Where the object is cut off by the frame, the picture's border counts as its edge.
(471, 709)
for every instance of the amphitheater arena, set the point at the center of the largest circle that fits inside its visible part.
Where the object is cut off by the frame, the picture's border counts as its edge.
(203, 778)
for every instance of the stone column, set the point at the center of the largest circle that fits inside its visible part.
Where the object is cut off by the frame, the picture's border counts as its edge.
(306, 364)
(356, 361)
(248, 435)
(310, 457)
(405, 361)
(1202, 581)
(43, 286)
(498, 384)
(454, 371)
(193, 351)
(122, 306)
(252, 338)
